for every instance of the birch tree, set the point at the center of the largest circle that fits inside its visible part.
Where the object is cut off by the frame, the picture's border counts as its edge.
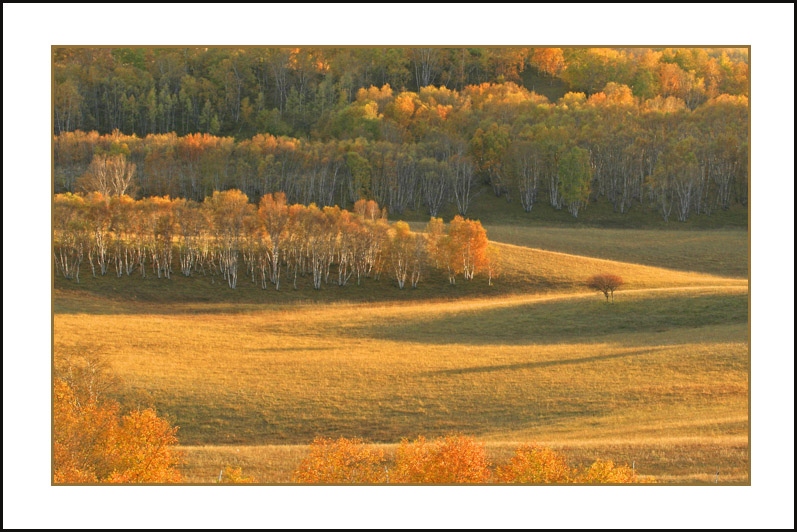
(70, 235)
(402, 251)
(435, 178)
(575, 175)
(273, 215)
(523, 171)
(463, 176)
(110, 175)
(228, 211)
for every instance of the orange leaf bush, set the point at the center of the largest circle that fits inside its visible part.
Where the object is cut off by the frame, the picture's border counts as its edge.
(448, 460)
(606, 472)
(92, 443)
(341, 461)
(234, 475)
(533, 464)
(454, 459)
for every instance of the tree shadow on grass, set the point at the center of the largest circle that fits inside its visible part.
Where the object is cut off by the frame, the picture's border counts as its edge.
(544, 363)
(552, 322)
(268, 349)
(179, 295)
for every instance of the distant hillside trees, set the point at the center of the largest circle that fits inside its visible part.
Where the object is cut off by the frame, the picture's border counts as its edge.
(410, 128)
(111, 175)
(306, 91)
(229, 237)
(575, 175)
(427, 150)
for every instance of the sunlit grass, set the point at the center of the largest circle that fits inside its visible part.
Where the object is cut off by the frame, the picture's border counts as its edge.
(284, 377)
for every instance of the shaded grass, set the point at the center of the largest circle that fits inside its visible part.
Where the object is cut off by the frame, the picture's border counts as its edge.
(555, 321)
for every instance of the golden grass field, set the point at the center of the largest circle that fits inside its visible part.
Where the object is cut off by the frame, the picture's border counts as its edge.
(659, 378)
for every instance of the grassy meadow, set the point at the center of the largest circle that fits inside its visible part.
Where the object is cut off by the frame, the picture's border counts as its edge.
(659, 378)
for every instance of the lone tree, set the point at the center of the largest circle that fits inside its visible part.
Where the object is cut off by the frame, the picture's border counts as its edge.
(606, 283)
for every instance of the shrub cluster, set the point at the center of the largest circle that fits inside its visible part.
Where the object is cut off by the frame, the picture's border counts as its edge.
(453, 459)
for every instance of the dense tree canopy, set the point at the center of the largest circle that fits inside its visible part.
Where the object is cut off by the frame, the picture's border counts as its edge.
(243, 91)
(409, 128)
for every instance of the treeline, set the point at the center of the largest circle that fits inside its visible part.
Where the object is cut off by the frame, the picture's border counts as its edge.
(300, 91)
(226, 236)
(424, 150)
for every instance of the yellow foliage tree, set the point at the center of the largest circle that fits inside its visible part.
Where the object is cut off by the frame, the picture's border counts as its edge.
(94, 444)
(341, 461)
(606, 472)
(533, 464)
(449, 460)
(234, 475)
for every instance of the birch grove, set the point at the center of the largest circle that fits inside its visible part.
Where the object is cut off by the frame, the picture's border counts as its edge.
(228, 239)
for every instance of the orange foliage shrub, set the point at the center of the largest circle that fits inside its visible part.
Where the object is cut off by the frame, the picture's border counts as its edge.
(606, 472)
(92, 443)
(234, 475)
(454, 459)
(533, 464)
(449, 460)
(341, 461)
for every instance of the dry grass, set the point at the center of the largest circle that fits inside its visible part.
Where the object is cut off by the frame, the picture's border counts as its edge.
(660, 377)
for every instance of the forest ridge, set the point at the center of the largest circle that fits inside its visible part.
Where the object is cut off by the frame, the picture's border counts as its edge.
(304, 92)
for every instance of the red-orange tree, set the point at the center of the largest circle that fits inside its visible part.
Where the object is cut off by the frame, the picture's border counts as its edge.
(468, 245)
(606, 283)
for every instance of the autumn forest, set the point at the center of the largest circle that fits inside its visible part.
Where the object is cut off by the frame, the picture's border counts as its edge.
(665, 130)
(400, 265)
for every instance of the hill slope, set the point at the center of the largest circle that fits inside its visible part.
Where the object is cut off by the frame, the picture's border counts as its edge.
(249, 376)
